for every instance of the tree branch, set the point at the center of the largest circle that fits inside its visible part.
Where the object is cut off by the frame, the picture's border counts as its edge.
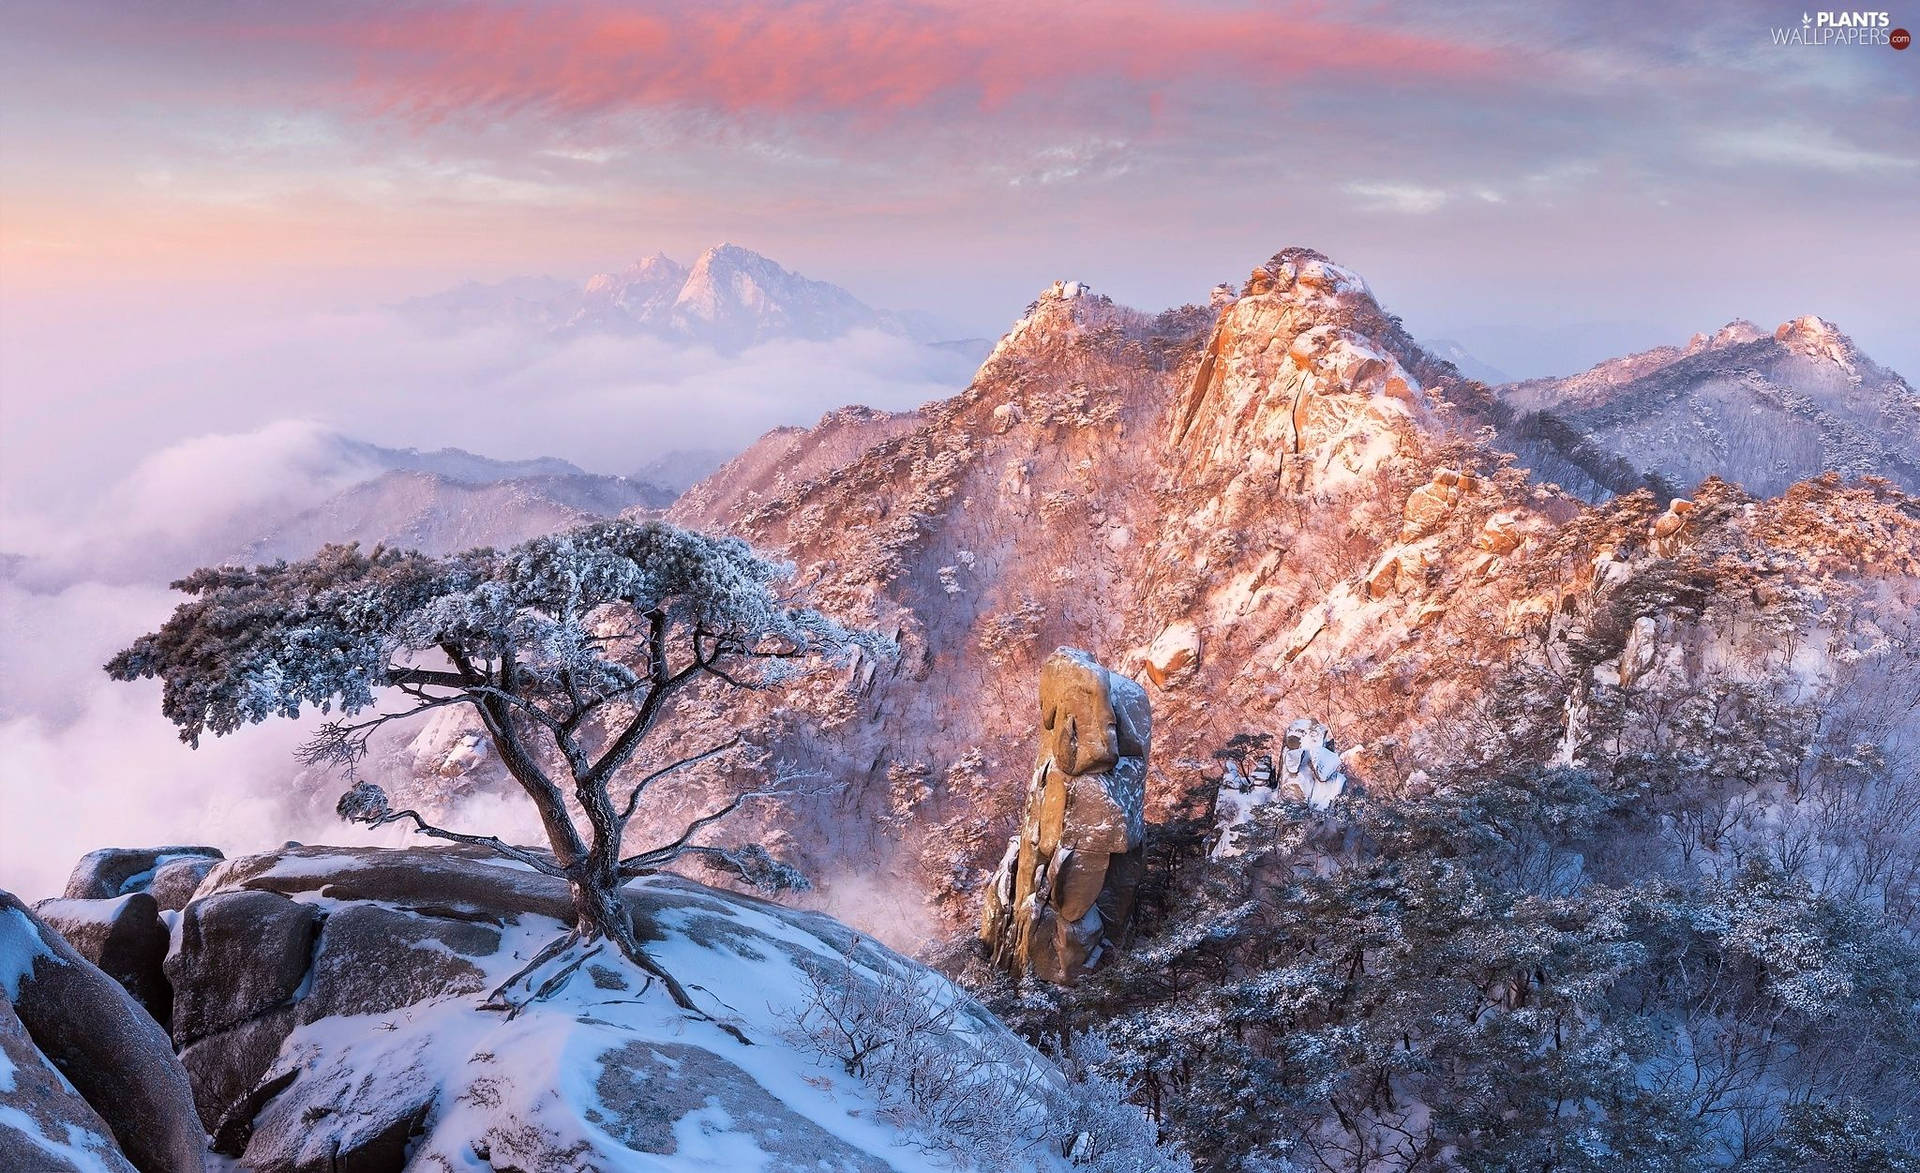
(633, 798)
(490, 842)
(428, 676)
(653, 858)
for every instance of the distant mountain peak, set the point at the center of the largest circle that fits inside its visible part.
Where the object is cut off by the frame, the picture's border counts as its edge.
(730, 298)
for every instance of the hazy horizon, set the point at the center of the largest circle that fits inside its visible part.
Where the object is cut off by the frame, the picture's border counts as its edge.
(1546, 184)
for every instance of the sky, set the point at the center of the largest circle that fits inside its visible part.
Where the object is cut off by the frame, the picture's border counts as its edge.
(1538, 179)
(207, 208)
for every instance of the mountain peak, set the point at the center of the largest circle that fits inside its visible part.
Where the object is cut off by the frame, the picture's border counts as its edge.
(1735, 333)
(655, 264)
(1817, 338)
(1063, 310)
(730, 298)
(1761, 408)
(1304, 274)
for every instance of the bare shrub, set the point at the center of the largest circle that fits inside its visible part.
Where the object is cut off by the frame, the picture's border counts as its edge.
(977, 1097)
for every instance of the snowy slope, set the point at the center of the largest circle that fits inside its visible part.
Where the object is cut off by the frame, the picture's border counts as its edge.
(603, 1071)
(1760, 409)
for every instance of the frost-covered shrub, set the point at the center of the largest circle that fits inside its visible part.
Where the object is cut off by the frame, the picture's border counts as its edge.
(990, 1105)
(903, 1034)
(1512, 971)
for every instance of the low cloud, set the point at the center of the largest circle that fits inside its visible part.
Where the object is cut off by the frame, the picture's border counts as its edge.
(607, 403)
(183, 461)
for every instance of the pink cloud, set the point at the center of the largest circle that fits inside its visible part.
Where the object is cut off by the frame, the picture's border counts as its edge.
(815, 57)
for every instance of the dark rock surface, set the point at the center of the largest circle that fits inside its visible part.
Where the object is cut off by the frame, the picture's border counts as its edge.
(240, 955)
(442, 883)
(108, 1047)
(174, 882)
(372, 959)
(50, 1113)
(115, 871)
(125, 937)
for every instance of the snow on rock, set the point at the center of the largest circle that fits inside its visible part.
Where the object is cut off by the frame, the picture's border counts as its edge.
(388, 1053)
(1763, 409)
(1063, 310)
(116, 871)
(125, 937)
(1815, 337)
(1286, 386)
(1174, 651)
(1666, 528)
(1310, 770)
(45, 1126)
(1310, 767)
(1066, 885)
(104, 1046)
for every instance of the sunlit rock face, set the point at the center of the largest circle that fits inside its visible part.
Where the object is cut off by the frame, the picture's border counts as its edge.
(1268, 504)
(1065, 889)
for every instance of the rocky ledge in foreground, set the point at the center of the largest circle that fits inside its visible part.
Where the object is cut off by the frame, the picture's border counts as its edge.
(336, 1009)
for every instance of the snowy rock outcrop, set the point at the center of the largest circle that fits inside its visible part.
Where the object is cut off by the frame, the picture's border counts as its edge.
(1065, 889)
(1310, 767)
(90, 1081)
(119, 871)
(330, 1003)
(1310, 771)
(1174, 651)
(125, 937)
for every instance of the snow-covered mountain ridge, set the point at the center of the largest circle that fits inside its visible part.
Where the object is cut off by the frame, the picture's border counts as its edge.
(1763, 409)
(1290, 477)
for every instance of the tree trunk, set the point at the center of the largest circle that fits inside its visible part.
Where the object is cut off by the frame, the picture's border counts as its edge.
(598, 912)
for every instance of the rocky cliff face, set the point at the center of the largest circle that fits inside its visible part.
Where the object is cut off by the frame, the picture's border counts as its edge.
(1273, 507)
(1762, 409)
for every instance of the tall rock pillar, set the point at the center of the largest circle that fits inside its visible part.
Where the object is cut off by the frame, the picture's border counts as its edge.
(1065, 889)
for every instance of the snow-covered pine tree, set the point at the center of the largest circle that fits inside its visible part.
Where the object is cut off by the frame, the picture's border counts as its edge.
(569, 648)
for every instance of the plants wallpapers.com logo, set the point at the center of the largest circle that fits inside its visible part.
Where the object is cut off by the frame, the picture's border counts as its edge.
(1843, 29)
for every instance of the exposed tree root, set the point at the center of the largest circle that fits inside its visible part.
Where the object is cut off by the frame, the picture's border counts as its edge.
(498, 999)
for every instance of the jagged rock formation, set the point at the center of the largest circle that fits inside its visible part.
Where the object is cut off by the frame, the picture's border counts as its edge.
(1760, 409)
(1310, 771)
(1063, 894)
(120, 1100)
(1310, 766)
(1285, 474)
